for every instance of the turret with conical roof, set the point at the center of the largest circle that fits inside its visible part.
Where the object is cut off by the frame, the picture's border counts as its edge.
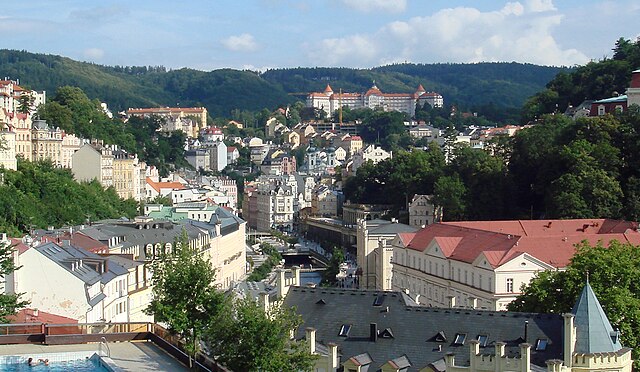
(328, 91)
(594, 333)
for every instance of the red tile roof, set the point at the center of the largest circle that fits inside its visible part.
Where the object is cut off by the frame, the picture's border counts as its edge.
(39, 316)
(164, 185)
(551, 241)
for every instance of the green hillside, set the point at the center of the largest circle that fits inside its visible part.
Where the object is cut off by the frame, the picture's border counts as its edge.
(503, 85)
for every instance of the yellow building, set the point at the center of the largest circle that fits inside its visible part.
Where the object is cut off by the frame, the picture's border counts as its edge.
(126, 175)
(7, 147)
(46, 142)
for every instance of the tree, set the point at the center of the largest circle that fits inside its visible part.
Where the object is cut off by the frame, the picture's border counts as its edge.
(329, 275)
(246, 338)
(24, 103)
(449, 193)
(184, 296)
(9, 303)
(613, 274)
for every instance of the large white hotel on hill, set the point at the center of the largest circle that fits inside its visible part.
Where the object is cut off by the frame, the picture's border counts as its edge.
(373, 98)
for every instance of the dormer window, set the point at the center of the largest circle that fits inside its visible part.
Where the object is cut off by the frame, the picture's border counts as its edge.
(541, 344)
(344, 330)
(459, 339)
(482, 339)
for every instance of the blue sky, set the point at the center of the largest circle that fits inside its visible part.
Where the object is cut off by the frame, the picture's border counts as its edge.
(260, 34)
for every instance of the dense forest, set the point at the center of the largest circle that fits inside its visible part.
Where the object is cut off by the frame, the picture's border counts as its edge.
(38, 195)
(487, 88)
(558, 168)
(593, 81)
(71, 110)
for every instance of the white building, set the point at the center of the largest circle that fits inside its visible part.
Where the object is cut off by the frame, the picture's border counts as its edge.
(217, 156)
(329, 101)
(423, 212)
(370, 153)
(8, 148)
(483, 264)
(72, 282)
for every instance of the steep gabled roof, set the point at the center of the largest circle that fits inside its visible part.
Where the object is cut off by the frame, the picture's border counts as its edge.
(594, 333)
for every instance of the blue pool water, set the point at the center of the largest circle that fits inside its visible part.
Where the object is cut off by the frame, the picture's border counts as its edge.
(74, 365)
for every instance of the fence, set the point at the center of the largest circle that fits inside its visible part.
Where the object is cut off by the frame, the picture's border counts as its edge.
(82, 333)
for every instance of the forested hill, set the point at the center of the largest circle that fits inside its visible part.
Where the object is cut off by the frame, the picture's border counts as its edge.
(505, 85)
(467, 85)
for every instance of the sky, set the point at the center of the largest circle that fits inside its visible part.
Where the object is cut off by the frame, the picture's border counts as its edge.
(262, 34)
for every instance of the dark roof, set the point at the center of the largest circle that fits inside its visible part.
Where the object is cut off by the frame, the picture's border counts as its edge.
(594, 333)
(414, 328)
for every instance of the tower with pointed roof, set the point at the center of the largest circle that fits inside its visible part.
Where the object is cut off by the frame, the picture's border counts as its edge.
(590, 342)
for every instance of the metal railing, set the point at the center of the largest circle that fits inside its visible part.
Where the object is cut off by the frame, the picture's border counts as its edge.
(103, 343)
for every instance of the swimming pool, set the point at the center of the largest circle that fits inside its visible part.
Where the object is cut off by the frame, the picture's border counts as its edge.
(73, 365)
(73, 361)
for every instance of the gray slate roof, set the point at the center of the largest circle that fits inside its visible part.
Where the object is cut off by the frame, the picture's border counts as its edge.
(415, 329)
(593, 330)
(81, 263)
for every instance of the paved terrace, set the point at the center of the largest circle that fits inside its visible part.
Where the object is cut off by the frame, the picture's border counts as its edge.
(130, 356)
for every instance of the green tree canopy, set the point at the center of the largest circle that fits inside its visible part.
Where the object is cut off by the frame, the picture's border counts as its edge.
(613, 274)
(10, 303)
(184, 296)
(246, 338)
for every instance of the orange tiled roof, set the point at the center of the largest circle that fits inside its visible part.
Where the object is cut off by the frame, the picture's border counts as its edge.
(551, 241)
(164, 185)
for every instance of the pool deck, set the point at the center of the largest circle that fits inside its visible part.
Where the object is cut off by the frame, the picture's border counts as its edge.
(130, 356)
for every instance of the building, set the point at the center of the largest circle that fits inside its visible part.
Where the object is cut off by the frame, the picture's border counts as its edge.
(329, 101)
(326, 202)
(70, 144)
(212, 134)
(153, 188)
(176, 115)
(11, 92)
(370, 153)
(633, 92)
(360, 330)
(423, 212)
(46, 142)
(373, 242)
(126, 175)
(93, 161)
(198, 158)
(278, 162)
(78, 284)
(229, 187)
(7, 147)
(483, 264)
(232, 154)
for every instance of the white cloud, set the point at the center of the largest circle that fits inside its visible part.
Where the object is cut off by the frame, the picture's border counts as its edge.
(93, 53)
(340, 50)
(240, 43)
(516, 32)
(540, 5)
(366, 6)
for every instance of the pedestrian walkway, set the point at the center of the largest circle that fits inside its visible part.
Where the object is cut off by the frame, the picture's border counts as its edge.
(130, 356)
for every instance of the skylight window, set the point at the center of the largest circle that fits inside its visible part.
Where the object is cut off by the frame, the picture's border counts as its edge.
(344, 330)
(541, 344)
(378, 301)
(482, 339)
(460, 339)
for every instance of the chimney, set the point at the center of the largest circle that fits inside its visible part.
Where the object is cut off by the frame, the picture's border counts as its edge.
(569, 339)
(281, 283)
(295, 270)
(526, 331)
(474, 350)
(500, 349)
(450, 359)
(35, 312)
(264, 298)
(311, 339)
(373, 332)
(525, 357)
(332, 357)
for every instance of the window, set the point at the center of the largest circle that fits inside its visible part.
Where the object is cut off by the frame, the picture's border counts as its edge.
(510, 285)
(460, 339)
(541, 344)
(344, 330)
(482, 339)
(601, 110)
(378, 301)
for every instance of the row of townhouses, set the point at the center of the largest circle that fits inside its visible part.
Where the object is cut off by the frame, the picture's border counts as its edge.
(101, 272)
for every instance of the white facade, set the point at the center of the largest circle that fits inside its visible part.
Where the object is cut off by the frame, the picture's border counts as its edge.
(369, 153)
(8, 149)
